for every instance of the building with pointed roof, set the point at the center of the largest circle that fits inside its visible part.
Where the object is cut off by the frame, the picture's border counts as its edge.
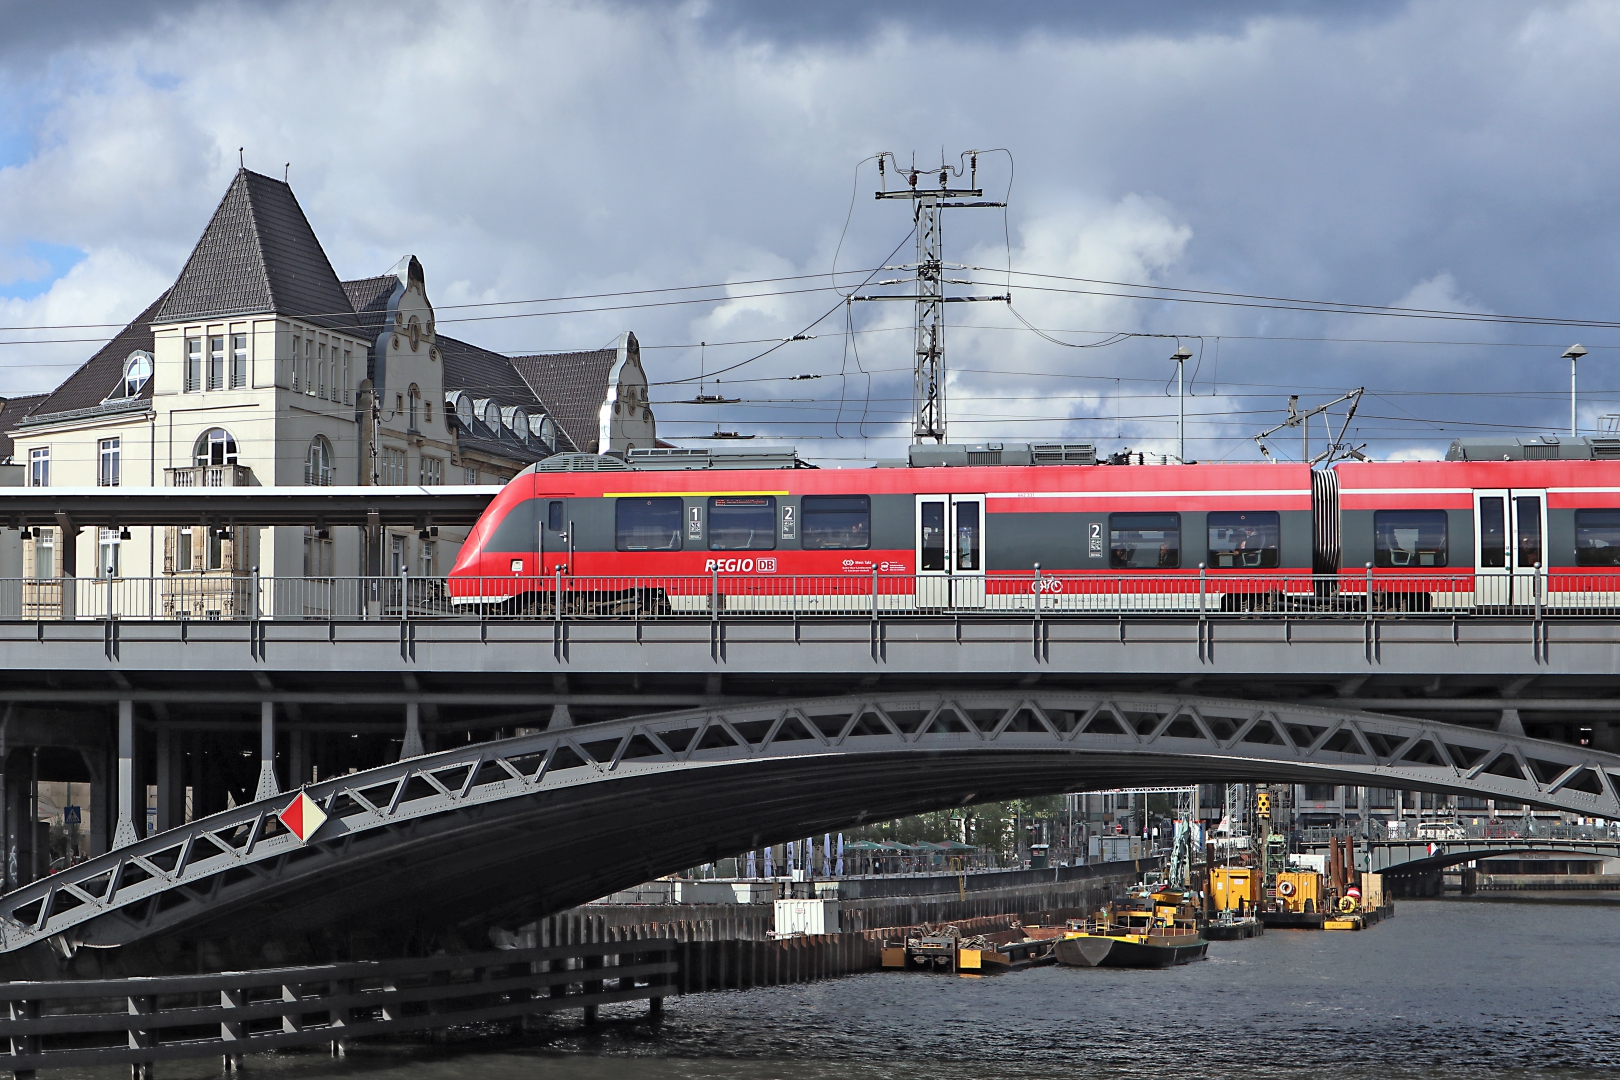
(260, 366)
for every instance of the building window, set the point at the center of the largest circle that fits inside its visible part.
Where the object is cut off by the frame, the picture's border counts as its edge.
(45, 553)
(137, 372)
(39, 467)
(215, 447)
(216, 361)
(198, 548)
(108, 454)
(238, 361)
(469, 474)
(193, 365)
(347, 385)
(318, 463)
(107, 554)
(393, 468)
(415, 406)
(320, 370)
(397, 559)
(432, 471)
(295, 380)
(317, 554)
(428, 554)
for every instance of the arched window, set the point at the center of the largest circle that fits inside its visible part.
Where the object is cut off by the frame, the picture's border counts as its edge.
(415, 397)
(215, 446)
(318, 463)
(137, 370)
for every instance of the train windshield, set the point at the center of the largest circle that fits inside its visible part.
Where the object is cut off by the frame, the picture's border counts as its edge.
(1142, 541)
(836, 522)
(1249, 538)
(742, 523)
(1409, 538)
(648, 524)
(1597, 538)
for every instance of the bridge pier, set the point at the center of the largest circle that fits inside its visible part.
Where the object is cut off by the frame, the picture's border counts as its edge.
(412, 744)
(125, 833)
(267, 751)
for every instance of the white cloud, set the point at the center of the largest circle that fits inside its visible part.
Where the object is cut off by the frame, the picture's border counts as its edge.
(528, 150)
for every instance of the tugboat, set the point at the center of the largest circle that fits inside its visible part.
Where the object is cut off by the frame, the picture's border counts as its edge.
(1153, 932)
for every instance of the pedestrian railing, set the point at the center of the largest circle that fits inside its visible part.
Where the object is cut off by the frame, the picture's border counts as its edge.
(860, 593)
(74, 1024)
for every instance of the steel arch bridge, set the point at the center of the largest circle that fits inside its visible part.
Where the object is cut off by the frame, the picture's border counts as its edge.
(1409, 856)
(530, 825)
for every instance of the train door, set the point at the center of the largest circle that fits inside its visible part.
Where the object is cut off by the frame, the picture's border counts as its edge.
(1529, 520)
(1509, 545)
(950, 551)
(555, 548)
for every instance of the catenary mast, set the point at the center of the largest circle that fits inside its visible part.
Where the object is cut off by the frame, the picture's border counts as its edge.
(928, 387)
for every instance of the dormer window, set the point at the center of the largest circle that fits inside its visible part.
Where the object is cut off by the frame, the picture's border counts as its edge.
(137, 373)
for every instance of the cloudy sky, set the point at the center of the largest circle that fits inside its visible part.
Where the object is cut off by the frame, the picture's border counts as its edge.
(1450, 157)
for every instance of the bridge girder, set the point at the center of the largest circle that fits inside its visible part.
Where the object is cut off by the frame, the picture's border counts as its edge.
(524, 826)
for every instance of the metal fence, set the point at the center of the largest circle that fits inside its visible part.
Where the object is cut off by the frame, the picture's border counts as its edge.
(1201, 593)
(71, 1024)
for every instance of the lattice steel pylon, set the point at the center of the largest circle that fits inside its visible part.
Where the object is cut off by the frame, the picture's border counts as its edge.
(929, 386)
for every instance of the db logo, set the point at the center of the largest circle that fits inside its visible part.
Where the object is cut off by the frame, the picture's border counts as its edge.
(849, 562)
(740, 566)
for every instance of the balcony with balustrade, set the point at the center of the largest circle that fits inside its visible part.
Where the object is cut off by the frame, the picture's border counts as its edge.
(208, 476)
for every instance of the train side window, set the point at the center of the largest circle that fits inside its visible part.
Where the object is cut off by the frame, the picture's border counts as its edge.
(1246, 538)
(1492, 531)
(1141, 541)
(1409, 538)
(835, 522)
(742, 523)
(647, 524)
(1597, 538)
(554, 516)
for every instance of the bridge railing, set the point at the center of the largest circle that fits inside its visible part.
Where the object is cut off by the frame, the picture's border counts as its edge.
(752, 587)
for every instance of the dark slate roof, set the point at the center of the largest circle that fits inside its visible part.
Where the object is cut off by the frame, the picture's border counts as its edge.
(498, 448)
(573, 385)
(370, 299)
(11, 411)
(485, 374)
(257, 256)
(85, 392)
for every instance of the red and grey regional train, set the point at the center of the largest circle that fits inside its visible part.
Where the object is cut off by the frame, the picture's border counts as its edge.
(1499, 522)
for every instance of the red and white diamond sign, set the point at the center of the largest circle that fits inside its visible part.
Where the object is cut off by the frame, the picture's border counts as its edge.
(303, 817)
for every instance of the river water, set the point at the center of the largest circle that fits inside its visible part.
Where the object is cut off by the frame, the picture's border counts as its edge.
(1448, 988)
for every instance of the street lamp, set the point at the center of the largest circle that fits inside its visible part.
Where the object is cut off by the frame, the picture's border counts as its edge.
(1572, 354)
(1181, 356)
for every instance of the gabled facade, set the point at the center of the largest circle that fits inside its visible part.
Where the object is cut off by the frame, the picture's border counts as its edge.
(259, 366)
